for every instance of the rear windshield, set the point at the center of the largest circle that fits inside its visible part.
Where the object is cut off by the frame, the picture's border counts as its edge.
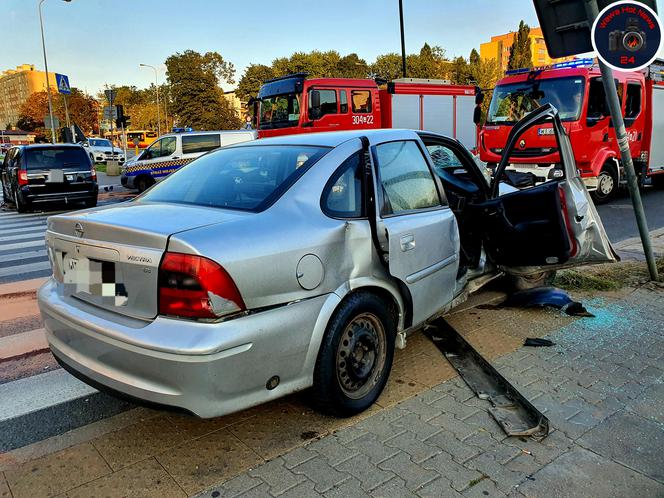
(56, 158)
(246, 178)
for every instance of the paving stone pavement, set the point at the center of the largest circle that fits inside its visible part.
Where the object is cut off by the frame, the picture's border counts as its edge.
(602, 387)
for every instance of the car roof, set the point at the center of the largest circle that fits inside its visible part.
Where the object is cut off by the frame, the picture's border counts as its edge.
(42, 146)
(334, 138)
(185, 133)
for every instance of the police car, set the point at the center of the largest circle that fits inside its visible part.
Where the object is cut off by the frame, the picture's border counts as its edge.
(172, 151)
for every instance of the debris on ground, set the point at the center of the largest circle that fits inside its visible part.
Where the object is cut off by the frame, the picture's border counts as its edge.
(509, 408)
(546, 297)
(538, 342)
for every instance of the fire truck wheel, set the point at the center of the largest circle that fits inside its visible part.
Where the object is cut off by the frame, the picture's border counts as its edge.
(607, 185)
(524, 282)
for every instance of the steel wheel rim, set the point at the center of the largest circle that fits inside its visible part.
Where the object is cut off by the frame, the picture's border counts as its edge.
(605, 183)
(361, 353)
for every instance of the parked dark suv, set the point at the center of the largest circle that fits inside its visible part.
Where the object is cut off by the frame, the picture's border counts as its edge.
(34, 174)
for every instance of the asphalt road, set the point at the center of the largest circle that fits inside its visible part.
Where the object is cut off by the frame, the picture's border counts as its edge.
(618, 216)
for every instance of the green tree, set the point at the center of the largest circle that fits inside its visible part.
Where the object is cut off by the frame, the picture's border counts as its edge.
(351, 66)
(252, 79)
(459, 71)
(520, 53)
(196, 98)
(485, 74)
(387, 66)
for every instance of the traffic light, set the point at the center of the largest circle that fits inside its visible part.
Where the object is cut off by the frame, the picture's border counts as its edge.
(121, 120)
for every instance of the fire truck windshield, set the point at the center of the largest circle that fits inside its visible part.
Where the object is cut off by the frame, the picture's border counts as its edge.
(513, 101)
(279, 111)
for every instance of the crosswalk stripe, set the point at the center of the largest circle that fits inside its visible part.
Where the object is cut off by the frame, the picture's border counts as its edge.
(12, 226)
(23, 245)
(20, 256)
(20, 236)
(32, 228)
(18, 269)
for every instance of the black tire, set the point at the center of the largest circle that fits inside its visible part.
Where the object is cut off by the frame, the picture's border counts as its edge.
(525, 282)
(90, 203)
(364, 326)
(21, 207)
(143, 183)
(607, 185)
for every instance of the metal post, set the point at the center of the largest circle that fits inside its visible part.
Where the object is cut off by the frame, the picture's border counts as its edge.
(403, 41)
(592, 12)
(48, 85)
(124, 141)
(156, 84)
(69, 123)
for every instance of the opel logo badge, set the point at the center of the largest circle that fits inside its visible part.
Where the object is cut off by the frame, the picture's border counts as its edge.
(522, 144)
(78, 230)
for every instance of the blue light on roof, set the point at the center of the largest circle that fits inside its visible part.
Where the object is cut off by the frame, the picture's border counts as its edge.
(558, 65)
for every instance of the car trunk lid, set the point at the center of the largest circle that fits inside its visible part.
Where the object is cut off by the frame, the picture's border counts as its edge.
(110, 257)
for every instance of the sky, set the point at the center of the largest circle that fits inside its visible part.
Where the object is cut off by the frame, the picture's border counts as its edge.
(96, 42)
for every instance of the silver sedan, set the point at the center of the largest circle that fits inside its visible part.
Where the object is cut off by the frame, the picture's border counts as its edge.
(296, 262)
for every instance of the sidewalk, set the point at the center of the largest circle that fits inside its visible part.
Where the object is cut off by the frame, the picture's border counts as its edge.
(632, 249)
(601, 387)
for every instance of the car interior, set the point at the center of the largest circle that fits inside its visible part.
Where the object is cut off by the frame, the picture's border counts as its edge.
(525, 227)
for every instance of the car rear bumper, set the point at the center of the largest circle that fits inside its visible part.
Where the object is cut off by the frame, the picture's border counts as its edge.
(209, 369)
(75, 196)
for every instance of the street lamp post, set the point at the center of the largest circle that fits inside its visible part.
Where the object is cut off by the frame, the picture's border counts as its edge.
(48, 85)
(156, 84)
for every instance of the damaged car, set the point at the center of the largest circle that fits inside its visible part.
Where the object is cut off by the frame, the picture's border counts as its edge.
(299, 262)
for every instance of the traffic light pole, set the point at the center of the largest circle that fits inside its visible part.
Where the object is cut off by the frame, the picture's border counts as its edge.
(592, 12)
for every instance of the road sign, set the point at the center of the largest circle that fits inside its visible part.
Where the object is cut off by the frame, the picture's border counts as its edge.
(110, 112)
(110, 95)
(47, 122)
(565, 25)
(62, 82)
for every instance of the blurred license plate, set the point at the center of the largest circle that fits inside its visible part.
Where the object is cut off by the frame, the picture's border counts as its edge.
(56, 176)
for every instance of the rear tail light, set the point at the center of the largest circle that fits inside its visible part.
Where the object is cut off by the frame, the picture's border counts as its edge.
(22, 177)
(196, 287)
(94, 174)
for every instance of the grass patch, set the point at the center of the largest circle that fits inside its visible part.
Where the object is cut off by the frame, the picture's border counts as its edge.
(100, 167)
(476, 481)
(608, 277)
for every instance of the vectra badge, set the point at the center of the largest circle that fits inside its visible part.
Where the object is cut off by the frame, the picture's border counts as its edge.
(78, 230)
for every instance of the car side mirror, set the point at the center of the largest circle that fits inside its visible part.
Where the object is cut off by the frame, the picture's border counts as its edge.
(477, 114)
(146, 155)
(314, 100)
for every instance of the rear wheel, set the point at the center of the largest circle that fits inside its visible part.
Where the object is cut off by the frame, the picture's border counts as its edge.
(20, 205)
(607, 184)
(91, 202)
(355, 357)
(143, 183)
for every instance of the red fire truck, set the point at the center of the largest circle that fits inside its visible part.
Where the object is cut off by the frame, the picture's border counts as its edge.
(576, 90)
(295, 104)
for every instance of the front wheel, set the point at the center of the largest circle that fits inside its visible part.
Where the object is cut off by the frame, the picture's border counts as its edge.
(143, 183)
(607, 185)
(657, 180)
(355, 357)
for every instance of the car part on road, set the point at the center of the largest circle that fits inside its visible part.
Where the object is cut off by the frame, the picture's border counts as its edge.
(538, 342)
(513, 412)
(524, 282)
(546, 296)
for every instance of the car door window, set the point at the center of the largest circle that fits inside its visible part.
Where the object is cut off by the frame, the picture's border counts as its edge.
(162, 148)
(632, 103)
(406, 181)
(328, 103)
(194, 144)
(361, 100)
(342, 196)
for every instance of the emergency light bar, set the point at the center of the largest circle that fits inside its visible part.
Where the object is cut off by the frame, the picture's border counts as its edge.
(181, 130)
(558, 65)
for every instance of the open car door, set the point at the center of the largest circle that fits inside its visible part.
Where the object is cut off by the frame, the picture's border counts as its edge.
(550, 226)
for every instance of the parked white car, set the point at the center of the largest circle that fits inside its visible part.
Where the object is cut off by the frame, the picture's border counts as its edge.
(101, 150)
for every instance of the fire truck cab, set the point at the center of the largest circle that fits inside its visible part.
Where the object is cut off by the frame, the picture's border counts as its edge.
(295, 104)
(576, 90)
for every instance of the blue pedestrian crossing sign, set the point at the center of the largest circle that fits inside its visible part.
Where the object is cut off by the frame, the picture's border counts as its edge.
(62, 81)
